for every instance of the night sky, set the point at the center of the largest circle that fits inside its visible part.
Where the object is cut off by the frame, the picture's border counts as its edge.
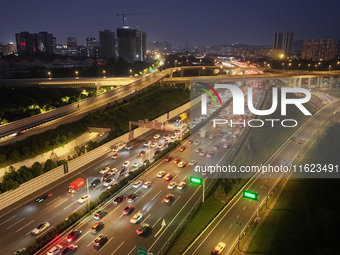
(195, 22)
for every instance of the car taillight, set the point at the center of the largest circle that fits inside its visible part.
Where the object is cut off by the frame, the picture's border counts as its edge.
(69, 239)
(138, 231)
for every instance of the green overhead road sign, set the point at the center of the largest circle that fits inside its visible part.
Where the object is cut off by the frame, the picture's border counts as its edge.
(142, 251)
(196, 180)
(250, 195)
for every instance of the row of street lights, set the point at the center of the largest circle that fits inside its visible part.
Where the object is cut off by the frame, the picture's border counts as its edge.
(77, 74)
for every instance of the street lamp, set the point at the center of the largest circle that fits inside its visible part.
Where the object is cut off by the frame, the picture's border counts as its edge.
(283, 67)
(104, 73)
(49, 75)
(88, 193)
(76, 72)
(130, 72)
(175, 62)
(239, 235)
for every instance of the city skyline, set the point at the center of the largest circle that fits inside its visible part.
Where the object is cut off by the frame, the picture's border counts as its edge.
(190, 22)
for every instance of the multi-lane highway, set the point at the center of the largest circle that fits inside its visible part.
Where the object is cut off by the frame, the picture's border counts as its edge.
(18, 224)
(235, 217)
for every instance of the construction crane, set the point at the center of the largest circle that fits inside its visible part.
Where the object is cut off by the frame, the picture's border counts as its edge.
(126, 14)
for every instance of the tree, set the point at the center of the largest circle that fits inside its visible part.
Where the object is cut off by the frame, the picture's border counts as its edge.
(37, 169)
(49, 165)
(9, 185)
(24, 174)
(15, 156)
(10, 175)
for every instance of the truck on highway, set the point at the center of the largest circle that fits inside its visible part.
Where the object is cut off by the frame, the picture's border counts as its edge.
(76, 185)
(118, 146)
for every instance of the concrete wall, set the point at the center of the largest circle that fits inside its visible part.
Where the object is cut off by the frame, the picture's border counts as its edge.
(45, 179)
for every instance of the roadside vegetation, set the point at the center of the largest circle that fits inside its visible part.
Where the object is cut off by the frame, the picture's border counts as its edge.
(19, 103)
(146, 105)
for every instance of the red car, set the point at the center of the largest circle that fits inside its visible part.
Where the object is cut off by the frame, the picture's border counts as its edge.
(118, 199)
(182, 148)
(127, 210)
(176, 160)
(168, 177)
(167, 158)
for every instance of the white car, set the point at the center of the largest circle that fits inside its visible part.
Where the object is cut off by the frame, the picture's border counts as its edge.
(137, 184)
(107, 183)
(197, 142)
(147, 143)
(86, 197)
(55, 250)
(147, 184)
(182, 164)
(156, 136)
(218, 248)
(126, 163)
(160, 174)
(136, 164)
(113, 171)
(192, 162)
(160, 145)
(105, 170)
(172, 185)
(174, 136)
(136, 218)
(42, 227)
(154, 144)
(181, 185)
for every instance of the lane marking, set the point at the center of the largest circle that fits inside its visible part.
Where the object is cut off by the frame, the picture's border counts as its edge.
(231, 225)
(53, 200)
(156, 195)
(156, 222)
(176, 200)
(244, 208)
(105, 244)
(237, 216)
(83, 236)
(117, 247)
(8, 220)
(114, 209)
(25, 226)
(15, 223)
(61, 202)
(146, 218)
(147, 192)
(132, 250)
(175, 217)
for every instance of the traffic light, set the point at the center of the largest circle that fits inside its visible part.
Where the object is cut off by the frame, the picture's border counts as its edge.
(250, 195)
(196, 180)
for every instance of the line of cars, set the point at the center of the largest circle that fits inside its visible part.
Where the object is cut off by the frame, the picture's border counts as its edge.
(98, 226)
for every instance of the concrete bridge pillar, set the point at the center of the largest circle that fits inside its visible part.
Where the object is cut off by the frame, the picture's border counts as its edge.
(182, 72)
(187, 84)
(318, 82)
(299, 82)
(171, 74)
(309, 81)
(331, 80)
